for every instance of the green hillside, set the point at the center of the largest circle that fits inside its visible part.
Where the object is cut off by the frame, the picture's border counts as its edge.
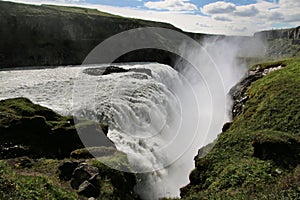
(258, 157)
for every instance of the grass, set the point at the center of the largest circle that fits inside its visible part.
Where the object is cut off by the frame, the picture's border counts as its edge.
(270, 119)
(52, 10)
(16, 186)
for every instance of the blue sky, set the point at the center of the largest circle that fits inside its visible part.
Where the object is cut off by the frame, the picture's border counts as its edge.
(230, 17)
(136, 3)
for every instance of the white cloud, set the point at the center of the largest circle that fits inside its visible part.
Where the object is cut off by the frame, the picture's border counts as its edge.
(221, 18)
(284, 13)
(218, 7)
(289, 4)
(171, 5)
(275, 16)
(246, 11)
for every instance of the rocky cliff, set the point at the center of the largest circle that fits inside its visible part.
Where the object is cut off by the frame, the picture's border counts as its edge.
(291, 34)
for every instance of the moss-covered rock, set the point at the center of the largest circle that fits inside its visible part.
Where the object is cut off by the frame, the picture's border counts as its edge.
(38, 130)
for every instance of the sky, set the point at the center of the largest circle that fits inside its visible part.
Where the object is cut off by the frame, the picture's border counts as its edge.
(230, 17)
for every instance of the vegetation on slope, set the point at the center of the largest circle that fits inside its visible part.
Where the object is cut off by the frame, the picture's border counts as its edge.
(258, 157)
(19, 186)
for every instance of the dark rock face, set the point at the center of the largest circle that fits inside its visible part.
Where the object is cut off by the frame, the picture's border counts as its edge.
(239, 91)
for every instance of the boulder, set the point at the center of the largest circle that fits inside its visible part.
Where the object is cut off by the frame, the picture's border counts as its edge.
(66, 170)
(87, 189)
(83, 172)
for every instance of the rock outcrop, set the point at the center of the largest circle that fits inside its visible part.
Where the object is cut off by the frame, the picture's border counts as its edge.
(30, 129)
(291, 34)
(239, 91)
(97, 180)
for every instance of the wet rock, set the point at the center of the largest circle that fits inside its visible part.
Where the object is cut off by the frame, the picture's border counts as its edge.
(66, 170)
(239, 91)
(114, 69)
(104, 70)
(87, 189)
(83, 172)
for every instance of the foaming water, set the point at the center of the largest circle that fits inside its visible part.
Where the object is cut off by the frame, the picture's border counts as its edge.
(50, 87)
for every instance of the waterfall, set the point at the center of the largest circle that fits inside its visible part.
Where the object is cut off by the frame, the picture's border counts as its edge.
(158, 116)
(144, 111)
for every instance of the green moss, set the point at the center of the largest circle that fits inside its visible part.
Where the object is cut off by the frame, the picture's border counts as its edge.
(260, 151)
(274, 101)
(93, 151)
(24, 107)
(17, 186)
(115, 183)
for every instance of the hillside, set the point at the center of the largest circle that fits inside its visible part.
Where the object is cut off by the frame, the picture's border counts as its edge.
(34, 35)
(257, 157)
(281, 43)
